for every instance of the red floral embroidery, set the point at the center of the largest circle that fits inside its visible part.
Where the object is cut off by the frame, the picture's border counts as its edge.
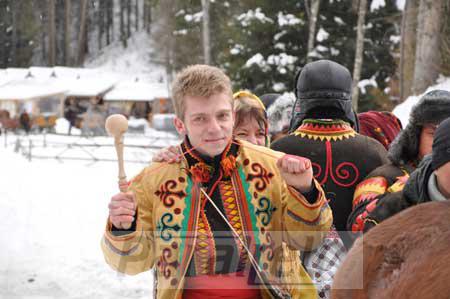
(201, 173)
(228, 165)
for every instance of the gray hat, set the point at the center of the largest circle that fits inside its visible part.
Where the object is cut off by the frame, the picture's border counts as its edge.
(432, 108)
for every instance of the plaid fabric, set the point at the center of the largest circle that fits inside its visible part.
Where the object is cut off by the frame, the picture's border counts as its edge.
(323, 262)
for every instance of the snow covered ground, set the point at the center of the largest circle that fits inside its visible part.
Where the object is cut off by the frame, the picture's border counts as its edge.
(52, 216)
(53, 212)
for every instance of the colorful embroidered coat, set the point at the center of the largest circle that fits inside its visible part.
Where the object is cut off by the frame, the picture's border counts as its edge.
(381, 182)
(173, 235)
(341, 159)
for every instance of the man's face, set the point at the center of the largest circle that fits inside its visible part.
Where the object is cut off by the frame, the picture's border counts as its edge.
(443, 179)
(426, 140)
(208, 122)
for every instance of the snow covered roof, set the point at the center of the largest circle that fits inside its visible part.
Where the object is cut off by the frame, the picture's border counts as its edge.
(88, 87)
(30, 88)
(137, 91)
(38, 82)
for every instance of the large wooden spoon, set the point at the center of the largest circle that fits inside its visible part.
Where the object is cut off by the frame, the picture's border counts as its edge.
(116, 125)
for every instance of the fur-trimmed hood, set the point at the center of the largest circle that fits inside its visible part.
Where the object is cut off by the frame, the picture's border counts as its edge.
(280, 113)
(432, 108)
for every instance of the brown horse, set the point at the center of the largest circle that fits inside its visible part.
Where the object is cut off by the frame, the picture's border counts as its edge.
(406, 256)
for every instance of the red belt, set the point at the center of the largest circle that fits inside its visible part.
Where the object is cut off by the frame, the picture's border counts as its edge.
(218, 286)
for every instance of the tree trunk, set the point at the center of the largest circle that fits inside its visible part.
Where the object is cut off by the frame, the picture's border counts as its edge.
(312, 27)
(108, 21)
(359, 52)
(136, 7)
(101, 22)
(67, 60)
(128, 2)
(51, 33)
(428, 56)
(206, 34)
(12, 55)
(122, 25)
(144, 15)
(111, 20)
(147, 15)
(408, 48)
(82, 33)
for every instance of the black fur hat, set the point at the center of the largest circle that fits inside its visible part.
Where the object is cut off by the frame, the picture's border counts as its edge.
(432, 108)
(323, 90)
(269, 98)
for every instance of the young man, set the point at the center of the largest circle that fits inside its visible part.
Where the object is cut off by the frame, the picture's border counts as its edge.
(195, 221)
(405, 153)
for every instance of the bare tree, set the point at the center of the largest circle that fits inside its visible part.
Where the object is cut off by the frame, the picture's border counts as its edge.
(408, 47)
(12, 55)
(82, 33)
(164, 34)
(136, 10)
(359, 52)
(128, 7)
(67, 10)
(312, 27)
(428, 58)
(123, 37)
(109, 6)
(101, 22)
(206, 34)
(51, 33)
(147, 15)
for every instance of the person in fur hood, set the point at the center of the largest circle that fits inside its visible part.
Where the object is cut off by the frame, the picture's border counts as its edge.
(405, 153)
(279, 114)
(429, 182)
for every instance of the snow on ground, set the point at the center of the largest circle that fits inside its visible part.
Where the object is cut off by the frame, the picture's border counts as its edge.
(52, 218)
(402, 111)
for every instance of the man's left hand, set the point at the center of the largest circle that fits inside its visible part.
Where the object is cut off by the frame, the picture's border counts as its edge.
(296, 171)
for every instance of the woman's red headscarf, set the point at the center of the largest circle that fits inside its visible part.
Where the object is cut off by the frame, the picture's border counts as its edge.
(380, 125)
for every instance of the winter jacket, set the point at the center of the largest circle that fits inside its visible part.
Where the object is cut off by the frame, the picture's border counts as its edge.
(341, 159)
(171, 227)
(381, 182)
(415, 191)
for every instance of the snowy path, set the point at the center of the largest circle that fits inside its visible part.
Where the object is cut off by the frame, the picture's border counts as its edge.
(52, 218)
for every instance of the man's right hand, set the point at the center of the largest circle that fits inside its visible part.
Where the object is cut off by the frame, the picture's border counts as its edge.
(122, 209)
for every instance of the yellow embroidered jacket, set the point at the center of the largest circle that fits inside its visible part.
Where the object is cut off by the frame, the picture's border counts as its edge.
(169, 225)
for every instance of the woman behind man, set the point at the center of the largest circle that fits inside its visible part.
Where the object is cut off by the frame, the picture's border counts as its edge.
(252, 125)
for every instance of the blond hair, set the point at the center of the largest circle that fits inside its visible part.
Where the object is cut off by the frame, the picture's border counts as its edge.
(201, 81)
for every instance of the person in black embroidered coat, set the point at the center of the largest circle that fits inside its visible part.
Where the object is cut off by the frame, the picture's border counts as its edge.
(327, 134)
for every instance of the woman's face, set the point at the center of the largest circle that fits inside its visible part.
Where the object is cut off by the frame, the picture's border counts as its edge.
(250, 130)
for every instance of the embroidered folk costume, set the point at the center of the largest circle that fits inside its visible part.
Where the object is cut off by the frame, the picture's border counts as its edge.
(341, 159)
(180, 233)
(324, 129)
